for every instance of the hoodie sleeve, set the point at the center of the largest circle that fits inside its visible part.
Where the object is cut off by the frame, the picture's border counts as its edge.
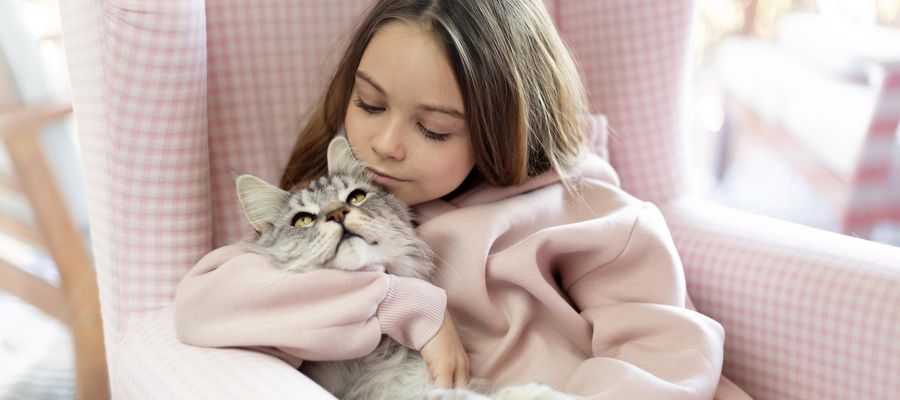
(234, 297)
(645, 342)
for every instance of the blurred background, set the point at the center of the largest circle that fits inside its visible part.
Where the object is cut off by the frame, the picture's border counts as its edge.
(41, 196)
(794, 111)
(793, 114)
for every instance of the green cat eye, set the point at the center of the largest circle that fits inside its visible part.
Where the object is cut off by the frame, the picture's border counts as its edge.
(303, 220)
(356, 197)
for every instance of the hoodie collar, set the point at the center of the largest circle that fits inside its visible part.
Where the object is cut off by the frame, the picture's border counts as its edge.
(591, 167)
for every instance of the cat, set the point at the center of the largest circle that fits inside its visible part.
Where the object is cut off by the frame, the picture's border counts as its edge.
(345, 222)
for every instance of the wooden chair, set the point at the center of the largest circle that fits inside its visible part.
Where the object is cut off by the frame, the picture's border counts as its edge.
(75, 301)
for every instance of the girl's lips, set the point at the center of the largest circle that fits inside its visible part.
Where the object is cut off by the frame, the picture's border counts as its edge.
(384, 179)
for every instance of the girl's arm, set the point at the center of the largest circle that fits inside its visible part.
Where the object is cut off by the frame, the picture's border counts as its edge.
(236, 298)
(646, 342)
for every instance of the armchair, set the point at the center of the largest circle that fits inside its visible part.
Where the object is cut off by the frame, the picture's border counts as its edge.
(170, 95)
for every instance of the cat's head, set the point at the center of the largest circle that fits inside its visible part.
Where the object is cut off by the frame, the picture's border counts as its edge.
(341, 221)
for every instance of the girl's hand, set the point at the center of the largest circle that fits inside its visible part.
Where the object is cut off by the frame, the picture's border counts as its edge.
(446, 358)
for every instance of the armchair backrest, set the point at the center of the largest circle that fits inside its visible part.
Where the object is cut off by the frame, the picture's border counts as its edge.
(172, 95)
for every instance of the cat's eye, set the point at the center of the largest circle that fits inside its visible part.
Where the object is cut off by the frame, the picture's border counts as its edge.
(356, 197)
(303, 220)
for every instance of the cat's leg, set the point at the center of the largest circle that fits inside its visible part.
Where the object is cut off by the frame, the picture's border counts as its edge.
(401, 383)
(391, 372)
(531, 391)
(336, 377)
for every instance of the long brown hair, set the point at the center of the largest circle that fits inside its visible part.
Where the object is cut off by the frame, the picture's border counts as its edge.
(521, 90)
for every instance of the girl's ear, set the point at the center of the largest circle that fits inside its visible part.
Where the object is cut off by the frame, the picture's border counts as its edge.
(260, 201)
(340, 158)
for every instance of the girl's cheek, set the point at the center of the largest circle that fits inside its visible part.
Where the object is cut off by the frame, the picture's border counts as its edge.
(353, 125)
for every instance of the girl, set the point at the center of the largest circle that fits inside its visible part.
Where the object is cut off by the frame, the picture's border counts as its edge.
(470, 112)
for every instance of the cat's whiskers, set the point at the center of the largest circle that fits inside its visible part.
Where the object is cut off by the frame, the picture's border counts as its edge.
(444, 265)
(444, 262)
(412, 242)
(314, 252)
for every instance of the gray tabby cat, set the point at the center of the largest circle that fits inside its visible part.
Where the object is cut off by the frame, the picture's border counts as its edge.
(345, 222)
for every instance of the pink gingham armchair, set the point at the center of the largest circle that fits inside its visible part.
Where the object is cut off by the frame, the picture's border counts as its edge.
(169, 95)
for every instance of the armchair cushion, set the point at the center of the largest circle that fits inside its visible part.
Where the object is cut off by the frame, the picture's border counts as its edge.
(808, 314)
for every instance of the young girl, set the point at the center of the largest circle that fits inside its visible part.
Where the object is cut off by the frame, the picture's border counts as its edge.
(471, 112)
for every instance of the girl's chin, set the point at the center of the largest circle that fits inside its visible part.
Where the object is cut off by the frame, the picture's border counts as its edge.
(407, 198)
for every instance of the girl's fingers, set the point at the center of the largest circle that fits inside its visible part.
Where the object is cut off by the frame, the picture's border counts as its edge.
(443, 379)
(461, 375)
(461, 381)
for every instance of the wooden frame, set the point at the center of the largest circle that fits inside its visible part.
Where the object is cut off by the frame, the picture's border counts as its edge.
(75, 302)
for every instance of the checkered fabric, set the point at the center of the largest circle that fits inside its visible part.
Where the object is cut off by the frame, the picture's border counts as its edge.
(808, 314)
(170, 96)
(633, 55)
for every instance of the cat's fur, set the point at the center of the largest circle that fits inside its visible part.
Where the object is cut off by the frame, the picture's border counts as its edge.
(345, 234)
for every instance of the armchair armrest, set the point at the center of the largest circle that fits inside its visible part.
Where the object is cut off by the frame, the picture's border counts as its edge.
(149, 359)
(807, 313)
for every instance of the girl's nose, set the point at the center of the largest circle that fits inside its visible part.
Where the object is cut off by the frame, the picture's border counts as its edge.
(389, 142)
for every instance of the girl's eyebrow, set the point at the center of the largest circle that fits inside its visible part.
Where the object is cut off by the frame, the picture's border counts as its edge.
(426, 107)
(364, 76)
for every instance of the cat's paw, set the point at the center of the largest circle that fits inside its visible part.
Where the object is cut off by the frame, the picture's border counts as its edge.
(453, 394)
(531, 391)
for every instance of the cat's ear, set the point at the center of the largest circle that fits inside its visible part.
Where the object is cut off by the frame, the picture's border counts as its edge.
(260, 201)
(340, 158)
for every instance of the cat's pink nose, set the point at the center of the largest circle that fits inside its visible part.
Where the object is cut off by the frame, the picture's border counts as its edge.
(337, 215)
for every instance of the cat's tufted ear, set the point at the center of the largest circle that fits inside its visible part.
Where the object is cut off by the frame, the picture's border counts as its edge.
(340, 158)
(260, 201)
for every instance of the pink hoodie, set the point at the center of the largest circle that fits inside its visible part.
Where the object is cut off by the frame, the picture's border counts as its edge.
(583, 292)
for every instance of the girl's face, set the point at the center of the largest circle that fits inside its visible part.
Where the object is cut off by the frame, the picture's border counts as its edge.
(405, 116)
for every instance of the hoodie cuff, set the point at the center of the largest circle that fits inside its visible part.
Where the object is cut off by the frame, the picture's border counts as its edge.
(412, 311)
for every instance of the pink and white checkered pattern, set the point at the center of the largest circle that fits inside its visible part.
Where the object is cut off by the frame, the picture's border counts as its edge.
(170, 95)
(808, 314)
(633, 57)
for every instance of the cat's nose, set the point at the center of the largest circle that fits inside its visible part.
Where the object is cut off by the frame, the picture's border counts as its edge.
(337, 215)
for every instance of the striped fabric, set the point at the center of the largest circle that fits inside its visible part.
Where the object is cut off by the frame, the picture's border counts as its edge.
(875, 193)
(171, 95)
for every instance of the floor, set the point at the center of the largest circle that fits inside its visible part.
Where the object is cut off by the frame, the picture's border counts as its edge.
(36, 358)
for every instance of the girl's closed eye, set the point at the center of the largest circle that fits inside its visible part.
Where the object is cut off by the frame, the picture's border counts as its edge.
(367, 107)
(432, 135)
(428, 133)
